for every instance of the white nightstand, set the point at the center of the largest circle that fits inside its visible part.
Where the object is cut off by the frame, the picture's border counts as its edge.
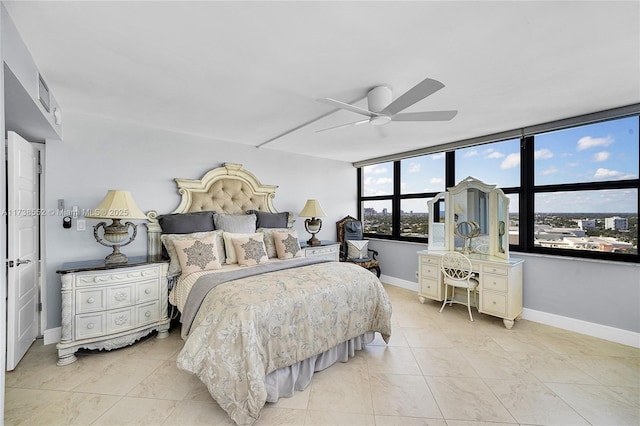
(111, 306)
(327, 249)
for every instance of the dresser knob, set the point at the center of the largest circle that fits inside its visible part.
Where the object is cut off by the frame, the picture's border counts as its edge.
(147, 291)
(91, 300)
(120, 296)
(90, 326)
(147, 314)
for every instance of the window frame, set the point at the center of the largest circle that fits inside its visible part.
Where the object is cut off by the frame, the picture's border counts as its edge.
(526, 196)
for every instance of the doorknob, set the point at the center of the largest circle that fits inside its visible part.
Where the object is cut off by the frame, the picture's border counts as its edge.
(20, 262)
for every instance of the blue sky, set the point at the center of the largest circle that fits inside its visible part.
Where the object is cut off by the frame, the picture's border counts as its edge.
(591, 153)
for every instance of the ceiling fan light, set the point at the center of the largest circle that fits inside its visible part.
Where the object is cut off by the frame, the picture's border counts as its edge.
(380, 120)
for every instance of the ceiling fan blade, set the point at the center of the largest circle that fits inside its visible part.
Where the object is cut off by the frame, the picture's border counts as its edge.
(348, 107)
(355, 123)
(425, 116)
(420, 91)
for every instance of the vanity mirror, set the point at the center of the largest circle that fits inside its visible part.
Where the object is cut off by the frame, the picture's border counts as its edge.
(470, 217)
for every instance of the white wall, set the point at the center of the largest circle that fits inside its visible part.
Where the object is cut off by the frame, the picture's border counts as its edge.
(99, 154)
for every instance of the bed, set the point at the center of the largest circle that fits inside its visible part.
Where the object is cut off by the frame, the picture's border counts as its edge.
(258, 320)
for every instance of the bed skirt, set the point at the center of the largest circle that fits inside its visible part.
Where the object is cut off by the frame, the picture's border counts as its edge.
(285, 381)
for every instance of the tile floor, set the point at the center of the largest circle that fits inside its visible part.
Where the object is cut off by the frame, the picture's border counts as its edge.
(439, 369)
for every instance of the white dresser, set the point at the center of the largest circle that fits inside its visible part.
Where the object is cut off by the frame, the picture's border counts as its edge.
(500, 289)
(327, 249)
(108, 307)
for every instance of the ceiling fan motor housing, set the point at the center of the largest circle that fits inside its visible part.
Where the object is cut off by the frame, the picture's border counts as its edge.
(378, 98)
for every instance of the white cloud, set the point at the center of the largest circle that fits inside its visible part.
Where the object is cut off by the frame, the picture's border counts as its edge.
(603, 173)
(495, 154)
(471, 153)
(437, 156)
(543, 154)
(549, 171)
(601, 156)
(436, 180)
(374, 170)
(382, 181)
(511, 161)
(414, 167)
(587, 142)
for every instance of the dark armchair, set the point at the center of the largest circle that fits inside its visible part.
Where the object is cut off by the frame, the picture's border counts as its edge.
(357, 251)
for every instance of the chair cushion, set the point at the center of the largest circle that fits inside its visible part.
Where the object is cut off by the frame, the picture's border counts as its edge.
(358, 249)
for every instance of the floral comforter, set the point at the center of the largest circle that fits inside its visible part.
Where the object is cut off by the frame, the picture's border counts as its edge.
(250, 327)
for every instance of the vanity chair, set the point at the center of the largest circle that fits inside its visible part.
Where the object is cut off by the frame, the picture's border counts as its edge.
(457, 271)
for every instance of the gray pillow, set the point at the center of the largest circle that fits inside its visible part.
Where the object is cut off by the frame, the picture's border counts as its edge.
(270, 220)
(235, 223)
(186, 223)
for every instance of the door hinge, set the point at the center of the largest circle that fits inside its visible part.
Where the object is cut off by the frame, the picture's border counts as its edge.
(9, 263)
(39, 168)
(40, 307)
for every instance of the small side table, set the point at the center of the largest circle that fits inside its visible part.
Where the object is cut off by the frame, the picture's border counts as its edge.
(326, 249)
(111, 306)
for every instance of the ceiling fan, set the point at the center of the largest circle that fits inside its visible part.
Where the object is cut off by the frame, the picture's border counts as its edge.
(381, 110)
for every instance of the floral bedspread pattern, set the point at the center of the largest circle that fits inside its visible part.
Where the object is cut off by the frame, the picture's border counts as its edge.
(250, 327)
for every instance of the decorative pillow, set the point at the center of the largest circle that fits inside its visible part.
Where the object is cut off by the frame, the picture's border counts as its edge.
(168, 242)
(186, 223)
(287, 244)
(197, 255)
(236, 223)
(229, 248)
(357, 249)
(270, 220)
(268, 239)
(250, 250)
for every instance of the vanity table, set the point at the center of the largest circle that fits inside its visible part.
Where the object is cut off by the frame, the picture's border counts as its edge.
(472, 218)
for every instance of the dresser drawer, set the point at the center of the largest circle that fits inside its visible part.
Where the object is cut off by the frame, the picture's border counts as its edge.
(91, 300)
(429, 288)
(430, 260)
(121, 319)
(91, 325)
(429, 270)
(149, 312)
(321, 251)
(492, 269)
(494, 303)
(118, 276)
(146, 291)
(120, 296)
(494, 282)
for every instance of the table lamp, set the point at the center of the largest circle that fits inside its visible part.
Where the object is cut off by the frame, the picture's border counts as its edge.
(313, 225)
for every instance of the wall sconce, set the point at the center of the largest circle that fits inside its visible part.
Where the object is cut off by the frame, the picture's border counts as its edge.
(116, 205)
(313, 225)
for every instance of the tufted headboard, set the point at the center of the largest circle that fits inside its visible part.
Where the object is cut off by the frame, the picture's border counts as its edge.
(228, 189)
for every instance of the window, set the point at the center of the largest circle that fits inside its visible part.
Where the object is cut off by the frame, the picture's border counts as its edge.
(576, 189)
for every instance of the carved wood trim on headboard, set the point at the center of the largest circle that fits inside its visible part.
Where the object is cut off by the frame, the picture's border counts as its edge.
(226, 189)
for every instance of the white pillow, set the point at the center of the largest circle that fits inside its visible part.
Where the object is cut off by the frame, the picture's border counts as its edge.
(229, 247)
(287, 244)
(236, 223)
(357, 249)
(168, 239)
(250, 250)
(269, 243)
(196, 255)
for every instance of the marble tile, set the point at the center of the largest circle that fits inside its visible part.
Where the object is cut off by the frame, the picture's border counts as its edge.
(553, 367)
(427, 338)
(497, 365)
(165, 382)
(20, 404)
(446, 362)
(119, 377)
(331, 418)
(599, 405)
(74, 409)
(196, 413)
(467, 398)
(394, 360)
(524, 399)
(277, 416)
(609, 371)
(402, 395)
(408, 421)
(137, 411)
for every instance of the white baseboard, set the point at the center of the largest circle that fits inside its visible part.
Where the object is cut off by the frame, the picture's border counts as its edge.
(397, 282)
(52, 335)
(624, 337)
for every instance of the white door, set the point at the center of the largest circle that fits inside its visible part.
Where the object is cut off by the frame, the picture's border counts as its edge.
(22, 250)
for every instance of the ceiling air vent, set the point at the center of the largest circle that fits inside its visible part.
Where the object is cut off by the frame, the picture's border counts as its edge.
(43, 93)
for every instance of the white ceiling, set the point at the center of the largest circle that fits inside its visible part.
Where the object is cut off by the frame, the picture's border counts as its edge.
(247, 72)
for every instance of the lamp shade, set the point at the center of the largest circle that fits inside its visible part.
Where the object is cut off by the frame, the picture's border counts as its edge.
(117, 204)
(312, 209)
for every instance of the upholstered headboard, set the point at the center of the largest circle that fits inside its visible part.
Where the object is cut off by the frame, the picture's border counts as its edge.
(228, 189)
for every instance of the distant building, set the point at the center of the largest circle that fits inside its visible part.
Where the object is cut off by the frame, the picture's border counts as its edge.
(616, 223)
(587, 223)
(384, 211)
